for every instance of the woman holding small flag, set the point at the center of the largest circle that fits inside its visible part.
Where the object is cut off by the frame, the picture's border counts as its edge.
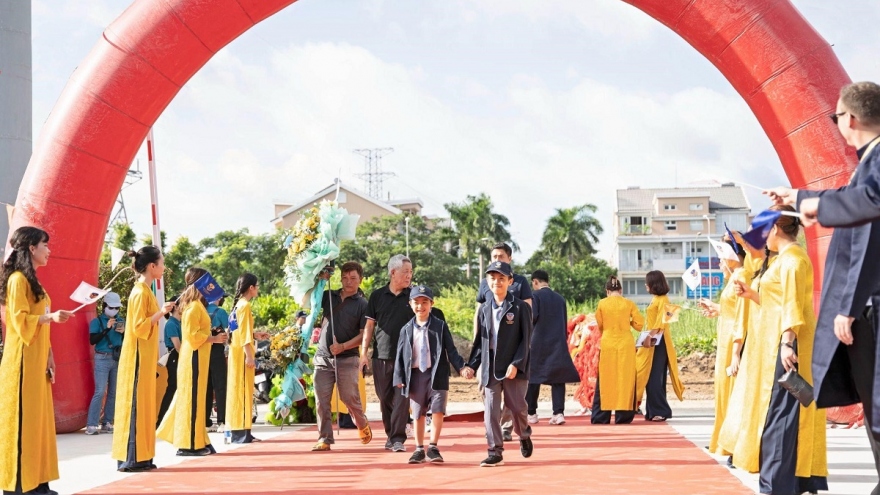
(766, 428)
(184, 424)
(28, 452)
(134, 433)
(651, 362)
(728, 310)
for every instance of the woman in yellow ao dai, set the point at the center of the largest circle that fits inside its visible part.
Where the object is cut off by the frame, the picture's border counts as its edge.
(184, 424)
(28, 450)
(766, 428)
(240, 375)
(616, 384)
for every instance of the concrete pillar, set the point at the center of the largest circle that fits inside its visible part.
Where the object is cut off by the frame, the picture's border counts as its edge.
(16, 108)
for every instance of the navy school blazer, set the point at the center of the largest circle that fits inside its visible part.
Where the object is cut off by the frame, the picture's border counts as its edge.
(443, 352)
(514, 337)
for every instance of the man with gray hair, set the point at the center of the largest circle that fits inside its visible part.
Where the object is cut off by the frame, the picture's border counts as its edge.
(388, 310)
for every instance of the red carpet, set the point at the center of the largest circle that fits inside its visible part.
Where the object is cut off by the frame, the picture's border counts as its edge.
(571, 459)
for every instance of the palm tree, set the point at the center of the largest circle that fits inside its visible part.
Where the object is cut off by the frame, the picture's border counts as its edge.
(478, 228)
(572, 233)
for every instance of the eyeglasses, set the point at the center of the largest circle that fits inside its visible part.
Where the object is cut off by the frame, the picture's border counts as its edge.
(836, 116)
(112, 307)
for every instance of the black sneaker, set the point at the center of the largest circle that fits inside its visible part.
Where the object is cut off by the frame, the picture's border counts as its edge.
(526, 447)
(506, 436)
(418, 457)
(388, 444)
(398, 447)
(492, 461)
(434, 454)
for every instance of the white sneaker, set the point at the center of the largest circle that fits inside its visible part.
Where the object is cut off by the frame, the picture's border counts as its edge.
(409, 430)
(557, 419)
(533, 419)
(92, 430)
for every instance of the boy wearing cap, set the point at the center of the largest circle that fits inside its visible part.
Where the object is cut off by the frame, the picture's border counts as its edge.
(501, 352)
(105, 333)
(421, 369)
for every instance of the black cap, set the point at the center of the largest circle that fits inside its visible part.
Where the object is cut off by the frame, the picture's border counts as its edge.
(421, 291)
(299, 314)
(500, 267)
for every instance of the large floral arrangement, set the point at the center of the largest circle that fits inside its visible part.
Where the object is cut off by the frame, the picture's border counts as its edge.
(285, 346)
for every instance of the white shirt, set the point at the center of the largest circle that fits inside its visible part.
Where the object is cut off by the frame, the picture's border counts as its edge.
(420, 339)
(496, 324)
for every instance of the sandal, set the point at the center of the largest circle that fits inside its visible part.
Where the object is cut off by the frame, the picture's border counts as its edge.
(321, 447)
(366, 435)
(658, 419)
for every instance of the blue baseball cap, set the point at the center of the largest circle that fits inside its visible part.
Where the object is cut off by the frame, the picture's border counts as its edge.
(421, 291)
(500, 267)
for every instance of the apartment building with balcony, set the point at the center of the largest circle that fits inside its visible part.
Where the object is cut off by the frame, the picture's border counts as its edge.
(666, 229)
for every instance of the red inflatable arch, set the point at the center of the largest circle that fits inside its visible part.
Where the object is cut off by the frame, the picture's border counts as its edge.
(784, 70)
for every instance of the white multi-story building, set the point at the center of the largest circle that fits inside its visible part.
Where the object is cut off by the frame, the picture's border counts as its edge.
(666, 230)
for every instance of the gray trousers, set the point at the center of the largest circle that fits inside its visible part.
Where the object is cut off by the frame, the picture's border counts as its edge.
(325, 377)
(513, 393)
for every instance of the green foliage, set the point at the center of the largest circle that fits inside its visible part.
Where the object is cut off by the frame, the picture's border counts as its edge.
(182, 255)
(123, 236)
(274, 312)
(380, 239)
(230, 253)
(571, 233)
(477, 228)
(583, 281)
(147, 240)
(458, 304)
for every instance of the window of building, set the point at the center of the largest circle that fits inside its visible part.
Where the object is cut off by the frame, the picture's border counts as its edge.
(675, 286)
(696, 225)
(696, 207)
(670, 250)
(671, 225)
(634, 288)
(669, 207)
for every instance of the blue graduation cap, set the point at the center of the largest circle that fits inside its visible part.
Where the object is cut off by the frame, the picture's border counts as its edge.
(233, 320)
(209, 287)
(733, 242)
(761, 226)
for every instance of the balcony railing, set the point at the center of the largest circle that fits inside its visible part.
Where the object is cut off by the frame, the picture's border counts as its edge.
(635, 230)
(637, 266)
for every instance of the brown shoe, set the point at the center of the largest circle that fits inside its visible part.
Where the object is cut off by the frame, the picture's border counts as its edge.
(366, 435)
(321, 447)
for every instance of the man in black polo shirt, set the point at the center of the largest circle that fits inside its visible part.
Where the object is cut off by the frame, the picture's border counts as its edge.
(521, 289)
(387, 312)
(336, 361)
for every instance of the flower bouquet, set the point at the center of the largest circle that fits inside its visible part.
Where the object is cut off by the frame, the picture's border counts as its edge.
(285, 347)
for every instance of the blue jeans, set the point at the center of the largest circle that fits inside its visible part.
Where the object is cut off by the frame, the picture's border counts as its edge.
(105, 381)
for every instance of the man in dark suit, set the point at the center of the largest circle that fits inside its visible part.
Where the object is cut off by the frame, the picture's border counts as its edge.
(848, 374)
(501, 352)
(551, 363)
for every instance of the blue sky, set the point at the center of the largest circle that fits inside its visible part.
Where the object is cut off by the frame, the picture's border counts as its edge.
(539, 107)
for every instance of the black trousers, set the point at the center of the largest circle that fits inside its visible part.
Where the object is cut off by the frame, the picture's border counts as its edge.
(394, 406)
(598, 416)
(171, 366)
(862, 360)
(557, 393)
(655, 391)
(216, 385)
(779, 443)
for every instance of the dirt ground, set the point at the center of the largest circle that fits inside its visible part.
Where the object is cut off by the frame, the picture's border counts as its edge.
(696, 371)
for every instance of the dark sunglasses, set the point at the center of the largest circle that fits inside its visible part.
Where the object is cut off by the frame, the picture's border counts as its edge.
(836, 116)
(112, 307)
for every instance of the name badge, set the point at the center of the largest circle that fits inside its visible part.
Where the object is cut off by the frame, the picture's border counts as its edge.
(509, 317)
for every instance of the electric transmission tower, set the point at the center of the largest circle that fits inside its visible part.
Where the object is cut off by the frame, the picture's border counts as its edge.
(373, 175)
(119, 212)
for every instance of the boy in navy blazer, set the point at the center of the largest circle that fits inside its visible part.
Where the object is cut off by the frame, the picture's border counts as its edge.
(501, 352)
(421, 370)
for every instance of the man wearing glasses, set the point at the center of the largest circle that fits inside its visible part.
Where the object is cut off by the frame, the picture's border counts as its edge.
(105, 333)
(848, 374)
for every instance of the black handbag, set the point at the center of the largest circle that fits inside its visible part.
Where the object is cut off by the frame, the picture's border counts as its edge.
(798, 387)
(116, 352)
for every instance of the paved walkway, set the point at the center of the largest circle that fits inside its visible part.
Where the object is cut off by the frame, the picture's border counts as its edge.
(574, 458)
